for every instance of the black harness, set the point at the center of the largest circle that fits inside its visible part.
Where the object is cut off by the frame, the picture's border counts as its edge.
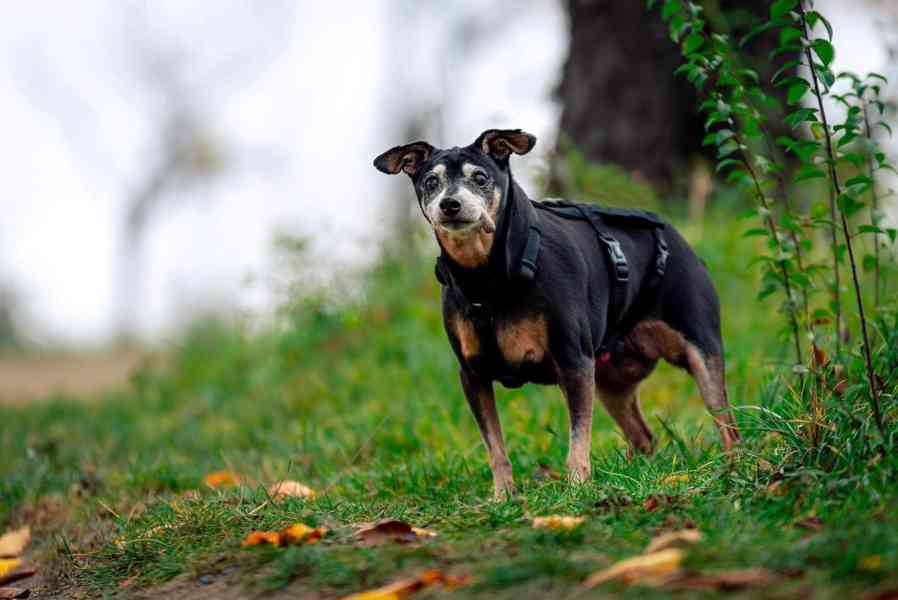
(522, 237)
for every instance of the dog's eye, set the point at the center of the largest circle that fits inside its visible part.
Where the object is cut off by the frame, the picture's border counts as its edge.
(480, 178)
(431, 183)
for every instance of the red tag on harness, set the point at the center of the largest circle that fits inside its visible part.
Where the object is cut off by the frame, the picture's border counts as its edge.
(604, 357)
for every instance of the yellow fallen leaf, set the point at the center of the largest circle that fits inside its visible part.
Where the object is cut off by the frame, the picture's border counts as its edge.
(649, 569)
(421, 532)
(870, 563)
(406, 587)
(558, 522)
(676, 478)
(674, 539)
(7, 565)
(222, 479)
(13, 543)
(298, 533)
(288, 488)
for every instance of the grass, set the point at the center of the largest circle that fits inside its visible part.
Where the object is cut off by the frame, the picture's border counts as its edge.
(360, 400)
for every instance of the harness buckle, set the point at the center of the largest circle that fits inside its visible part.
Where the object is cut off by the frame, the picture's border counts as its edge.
(621, 268)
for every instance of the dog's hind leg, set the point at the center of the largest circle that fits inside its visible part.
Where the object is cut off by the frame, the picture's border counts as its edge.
(708, 372)
(483, 404)
(622, 403)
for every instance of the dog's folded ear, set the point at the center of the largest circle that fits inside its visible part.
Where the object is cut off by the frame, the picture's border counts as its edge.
(500, 143)
(406, 158)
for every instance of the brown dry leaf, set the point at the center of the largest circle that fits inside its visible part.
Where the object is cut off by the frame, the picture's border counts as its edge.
(298, 533)
(647, 569)
(391, 530)
(811, 523)
(288, 489)
(406, 587)
(219, 479)
(840, 387)
(820, 358)
(776, 488)
(11, 593)
(674, 539)
(558, 522)
(651, 504)
(725, 580)
(13, 543)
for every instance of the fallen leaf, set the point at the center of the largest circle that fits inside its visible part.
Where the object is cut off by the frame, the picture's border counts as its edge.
(16, 572)
(222, 479)
(10, 593)
(676, 478)
(7, 566)
(391, 530)
(290, 489)
(651, 504)
(870, 563)
(301, 533)
(649, 569)
(820, 358)
(674, 539)
(421, 532)
(810, 523)
(558, 522)
(13, 543)
(724, 580)
(298, 533)
(840, 387)
(776, 488)
(406, 587)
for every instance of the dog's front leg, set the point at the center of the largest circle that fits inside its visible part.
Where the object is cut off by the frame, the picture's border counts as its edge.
(578, 385)
(483, 404)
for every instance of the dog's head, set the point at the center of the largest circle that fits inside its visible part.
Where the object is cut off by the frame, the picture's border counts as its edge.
(461, 190)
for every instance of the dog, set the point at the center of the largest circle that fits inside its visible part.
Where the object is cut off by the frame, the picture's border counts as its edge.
(560, 293)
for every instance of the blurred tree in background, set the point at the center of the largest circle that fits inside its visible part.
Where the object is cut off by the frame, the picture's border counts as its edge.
(622, 103)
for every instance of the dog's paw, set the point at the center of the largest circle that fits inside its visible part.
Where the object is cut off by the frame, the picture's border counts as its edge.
(504, 491)
(579, 473)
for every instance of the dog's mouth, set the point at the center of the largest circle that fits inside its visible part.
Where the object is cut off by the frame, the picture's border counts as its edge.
(457, 224)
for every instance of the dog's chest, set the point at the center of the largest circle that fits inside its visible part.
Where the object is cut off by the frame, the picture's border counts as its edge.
(507, 346)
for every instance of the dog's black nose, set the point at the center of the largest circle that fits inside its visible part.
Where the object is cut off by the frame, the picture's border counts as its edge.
(450, 206)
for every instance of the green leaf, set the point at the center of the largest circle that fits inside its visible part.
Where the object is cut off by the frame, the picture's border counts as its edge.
(808, 172)
(892, 233)
(848, 204)
(671, 8)
(824, 51)
(789, 34)
(781, 8)
(786, 68)
(727, 162)
(869, 263)
(727, 148)
(870, 229)
(693, 42)
(813, 17)
(796, 92)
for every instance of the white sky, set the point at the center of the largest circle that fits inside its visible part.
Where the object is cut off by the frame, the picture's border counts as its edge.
(303, 95)
(310, 100)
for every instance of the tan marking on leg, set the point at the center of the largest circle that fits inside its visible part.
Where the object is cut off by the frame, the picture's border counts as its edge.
(709, 376)
(467, 337)
(523, 340)
(657, 339)
(622, 403)
(482, 401)
(579, 391)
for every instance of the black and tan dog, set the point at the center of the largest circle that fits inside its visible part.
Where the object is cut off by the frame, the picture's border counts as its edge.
(560, 293)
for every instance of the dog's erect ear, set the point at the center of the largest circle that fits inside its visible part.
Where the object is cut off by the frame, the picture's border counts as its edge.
(406, 158)
(500, 143)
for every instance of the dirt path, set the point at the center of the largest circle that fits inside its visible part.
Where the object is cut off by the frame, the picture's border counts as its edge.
(29, 378)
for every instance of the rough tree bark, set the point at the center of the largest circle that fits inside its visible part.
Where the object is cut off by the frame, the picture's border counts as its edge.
(621, 101)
